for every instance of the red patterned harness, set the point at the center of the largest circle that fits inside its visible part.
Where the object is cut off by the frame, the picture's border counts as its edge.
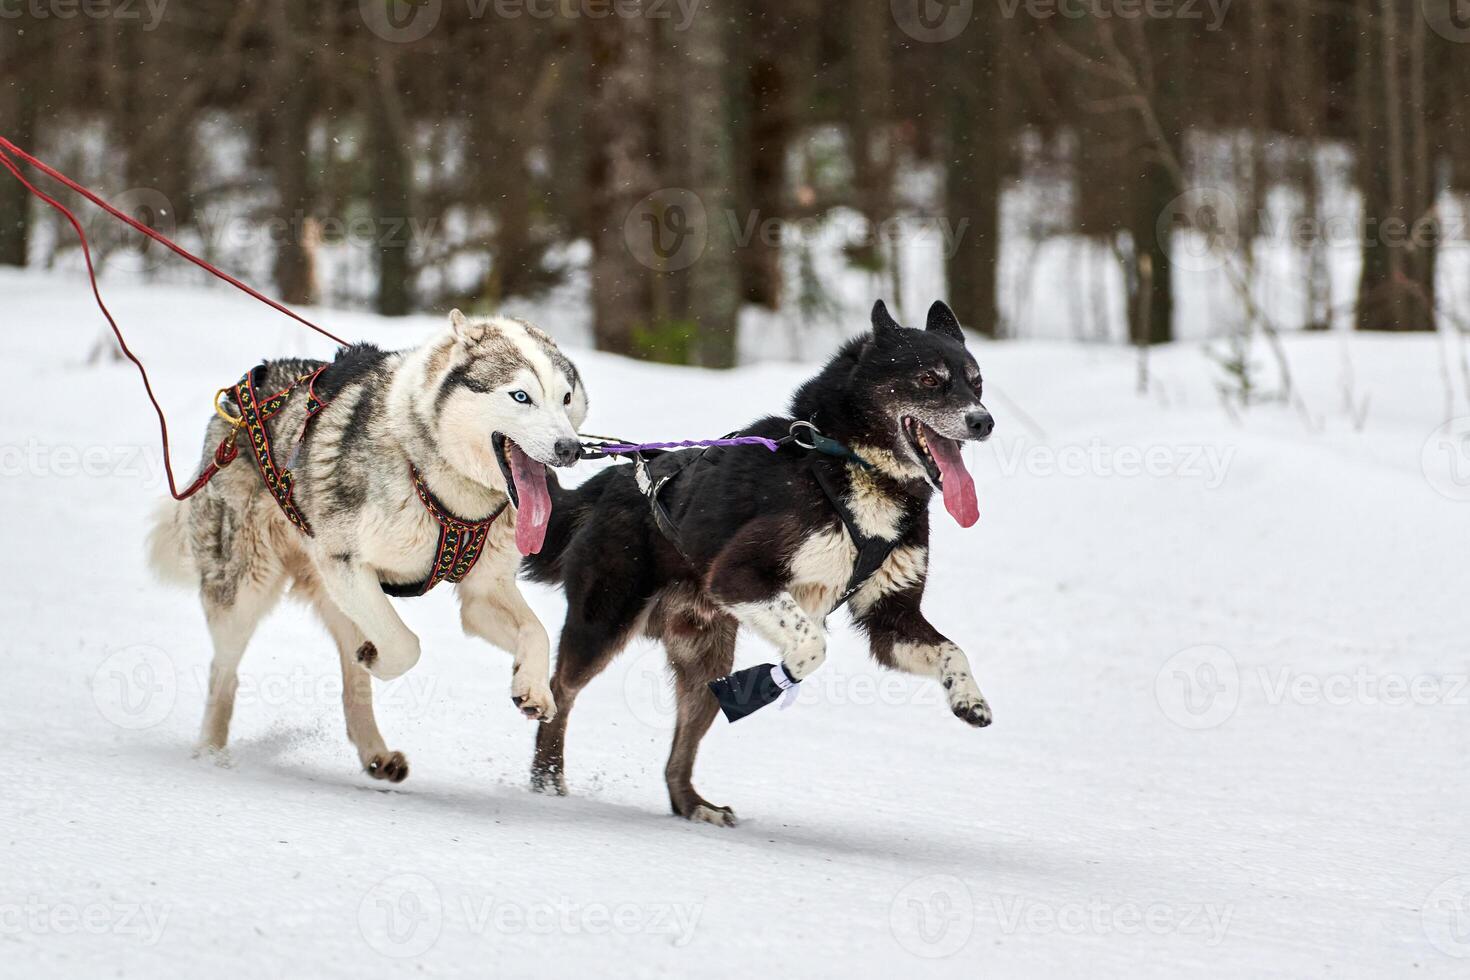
(461, 541)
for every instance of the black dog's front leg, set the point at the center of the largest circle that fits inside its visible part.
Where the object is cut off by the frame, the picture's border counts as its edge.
(902, 639)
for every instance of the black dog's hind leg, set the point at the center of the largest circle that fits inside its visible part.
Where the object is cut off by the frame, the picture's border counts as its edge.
(696, 657)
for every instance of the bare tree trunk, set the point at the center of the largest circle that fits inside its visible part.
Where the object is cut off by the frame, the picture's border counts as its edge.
(1396, 285)
(286, 145)
(763, 153)
(619, 123)
(869, 123)
(714, 280)
(392, 180)
(975, 165)
(18, 113)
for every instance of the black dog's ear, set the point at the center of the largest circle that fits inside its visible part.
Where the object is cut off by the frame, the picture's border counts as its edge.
(942, 319)
(884, 326)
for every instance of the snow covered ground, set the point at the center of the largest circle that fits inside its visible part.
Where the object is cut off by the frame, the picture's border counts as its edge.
(1229, 661)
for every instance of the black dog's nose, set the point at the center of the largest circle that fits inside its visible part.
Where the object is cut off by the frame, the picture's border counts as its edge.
(981, 423)
(568, 451)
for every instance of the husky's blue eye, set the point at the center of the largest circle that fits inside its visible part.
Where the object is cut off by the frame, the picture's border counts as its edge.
(521, 397)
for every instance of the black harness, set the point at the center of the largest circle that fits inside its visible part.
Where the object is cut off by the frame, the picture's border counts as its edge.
(872, 551)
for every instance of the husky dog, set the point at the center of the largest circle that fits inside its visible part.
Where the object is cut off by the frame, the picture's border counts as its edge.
(464, 422)
(759, 542)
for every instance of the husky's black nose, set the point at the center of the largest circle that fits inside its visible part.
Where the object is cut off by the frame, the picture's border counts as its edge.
(980, 422)
(568, 451)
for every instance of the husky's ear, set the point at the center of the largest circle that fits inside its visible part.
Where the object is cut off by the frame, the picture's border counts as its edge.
(465, 332)
(942, 320)
(885, 328)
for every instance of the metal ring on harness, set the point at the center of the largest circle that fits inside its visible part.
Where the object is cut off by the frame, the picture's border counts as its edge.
(803, 424)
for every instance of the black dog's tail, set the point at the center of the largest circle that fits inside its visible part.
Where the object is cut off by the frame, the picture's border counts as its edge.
(569, 508)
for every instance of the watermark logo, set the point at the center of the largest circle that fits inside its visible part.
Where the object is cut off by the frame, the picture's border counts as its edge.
(150, 208)
(932, 21)
(1198, 687)
(668, 230)
(648, 691)
(1446, 917)
(401, 21)
(1450, 19)
(401, 916)
(932, 917)
(1212, 220)
(135, 687)
(1445, 459)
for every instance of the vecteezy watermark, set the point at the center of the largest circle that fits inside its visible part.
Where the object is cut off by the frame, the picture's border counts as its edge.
(932, 917)
(1205, 227)
(412, 695)
(221, 228)
(1206, 464)
(401, 916)
(149, 12)
(932, 21)
(37, 917)
(40, 460)
(1445, 459)
(1446, 917)
(669, 229)
(1361, 686)
(1198, 687)
(1214, 10)
(1450, 19)
(404, 915)
(135, 687)
(406, 21)
(1105, 917)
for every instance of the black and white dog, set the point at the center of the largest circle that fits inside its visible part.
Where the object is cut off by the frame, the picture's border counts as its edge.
(761, 543)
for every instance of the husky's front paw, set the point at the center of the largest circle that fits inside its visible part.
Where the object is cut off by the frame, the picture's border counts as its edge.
(533, 698)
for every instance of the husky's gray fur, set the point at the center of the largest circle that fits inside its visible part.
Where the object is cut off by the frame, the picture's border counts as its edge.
(437, 406)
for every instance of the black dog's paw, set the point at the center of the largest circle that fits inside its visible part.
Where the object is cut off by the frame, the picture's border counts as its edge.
(975, 713)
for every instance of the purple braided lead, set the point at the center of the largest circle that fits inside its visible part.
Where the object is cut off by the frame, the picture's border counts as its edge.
(620, 447)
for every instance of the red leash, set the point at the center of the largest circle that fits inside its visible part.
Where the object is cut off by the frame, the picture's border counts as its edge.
(9, 164)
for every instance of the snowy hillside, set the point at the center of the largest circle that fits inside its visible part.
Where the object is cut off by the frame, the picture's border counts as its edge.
(1229, 660)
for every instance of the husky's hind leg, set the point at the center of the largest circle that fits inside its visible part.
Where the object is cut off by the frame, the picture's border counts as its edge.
(232, 618)
(357, 698)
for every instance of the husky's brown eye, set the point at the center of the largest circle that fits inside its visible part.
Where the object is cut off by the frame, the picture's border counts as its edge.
(929, 380)
(567, 399)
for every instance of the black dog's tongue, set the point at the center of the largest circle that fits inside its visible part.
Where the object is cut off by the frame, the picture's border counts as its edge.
(533, 511)
(959, 486)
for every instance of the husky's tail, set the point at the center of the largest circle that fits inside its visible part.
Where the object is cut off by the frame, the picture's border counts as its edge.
(569, 509)
(169, 554)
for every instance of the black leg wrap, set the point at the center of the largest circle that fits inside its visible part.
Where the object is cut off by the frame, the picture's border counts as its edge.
(747, 691)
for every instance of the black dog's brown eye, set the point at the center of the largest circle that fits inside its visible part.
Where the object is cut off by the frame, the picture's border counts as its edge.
(568, 399)
(929, 380)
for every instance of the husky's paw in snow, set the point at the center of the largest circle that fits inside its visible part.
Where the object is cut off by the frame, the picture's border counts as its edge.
(380, 474)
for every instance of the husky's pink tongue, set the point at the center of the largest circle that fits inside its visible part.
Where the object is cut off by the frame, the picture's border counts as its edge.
(959, 488)
(534, 511)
